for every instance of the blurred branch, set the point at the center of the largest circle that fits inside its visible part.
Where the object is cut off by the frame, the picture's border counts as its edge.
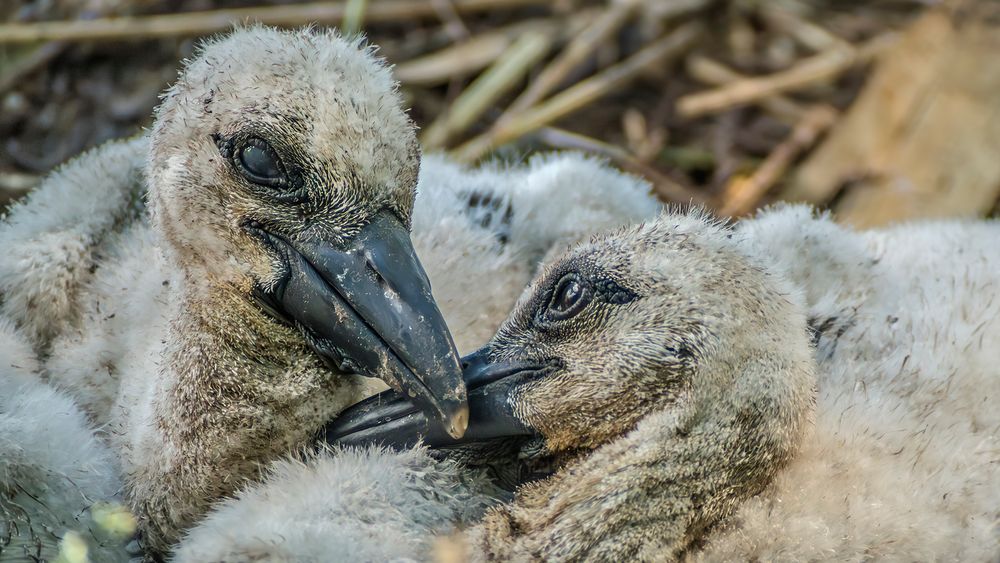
(441, 66)
(578, 49)
(354, 16)
(453, 24)
(214, 21)
(818, 68)
(807, 33)
(666, 188)
(704, 69)
(661, 51)
(482, 49)
(743, 194)
(488, 88)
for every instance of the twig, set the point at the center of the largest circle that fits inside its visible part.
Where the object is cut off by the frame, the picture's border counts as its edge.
(487, 88)
(706, 70)
(213, 21)
(807, 33)
(453, 24)
(575, 52)
(441, 66)
(661, 51)
(741, 37)
(817, 68)
(482, 49)
(743, 194)
(666, 189)
(37, 57)
(585, 43)
(354, 16)
(643, 142)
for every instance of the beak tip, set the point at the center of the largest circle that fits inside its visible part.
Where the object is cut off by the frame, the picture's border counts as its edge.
(458, 422)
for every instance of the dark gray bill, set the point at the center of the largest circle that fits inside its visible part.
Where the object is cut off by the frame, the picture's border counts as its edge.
(392, 420)
(367, 308)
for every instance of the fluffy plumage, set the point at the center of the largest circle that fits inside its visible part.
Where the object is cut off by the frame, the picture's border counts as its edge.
(501, 220)
(366, 505)
(481, 233)
(55, 235)
(904, 461)
(53, 469)
(900, 463)
(678, 391)
(148, 317)
(163, 343)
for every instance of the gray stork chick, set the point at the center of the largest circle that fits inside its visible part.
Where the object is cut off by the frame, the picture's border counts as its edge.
(902, 461)
(270, 275)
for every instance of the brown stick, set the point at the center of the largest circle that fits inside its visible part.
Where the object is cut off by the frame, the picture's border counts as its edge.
(480, 50)
(812, 70)
(585, 43)
(804, 31)
(457, 60)
(666, 189)
(575, 52)
(493, 83)
(213, 21)
(354, 16)
(38, 57)
(660, 51)
(743, 194)
(714, 73)
(453, 24)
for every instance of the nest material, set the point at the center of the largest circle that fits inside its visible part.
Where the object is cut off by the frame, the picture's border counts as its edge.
(717, 102)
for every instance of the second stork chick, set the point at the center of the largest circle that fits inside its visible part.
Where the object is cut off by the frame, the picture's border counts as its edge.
(901, 463)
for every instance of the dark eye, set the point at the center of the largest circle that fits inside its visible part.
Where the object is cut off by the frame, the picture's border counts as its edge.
(570, 296)
(259, 163)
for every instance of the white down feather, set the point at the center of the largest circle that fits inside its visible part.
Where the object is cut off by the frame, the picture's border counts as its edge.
(58, 485)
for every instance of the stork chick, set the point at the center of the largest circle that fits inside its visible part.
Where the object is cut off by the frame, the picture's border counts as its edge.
(271, 274)
(669, 375)
(900, 465)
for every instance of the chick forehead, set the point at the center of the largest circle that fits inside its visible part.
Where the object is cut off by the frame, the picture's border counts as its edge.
(329, 97)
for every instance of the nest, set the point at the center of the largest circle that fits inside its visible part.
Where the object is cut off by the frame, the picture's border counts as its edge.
(732, 104)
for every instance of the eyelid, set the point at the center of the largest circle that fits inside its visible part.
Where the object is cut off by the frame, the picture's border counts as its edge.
(237, 158)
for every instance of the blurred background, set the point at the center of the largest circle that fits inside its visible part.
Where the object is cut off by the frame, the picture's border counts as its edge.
(878, 110)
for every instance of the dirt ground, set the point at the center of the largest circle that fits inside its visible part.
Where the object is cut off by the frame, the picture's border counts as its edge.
(880, 111)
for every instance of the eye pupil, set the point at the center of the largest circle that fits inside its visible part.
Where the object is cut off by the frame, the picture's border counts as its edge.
(260, 162)
(568, 295)
(572, 293)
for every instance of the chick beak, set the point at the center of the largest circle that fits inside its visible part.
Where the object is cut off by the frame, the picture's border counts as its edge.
(392, 420)
(367, 308)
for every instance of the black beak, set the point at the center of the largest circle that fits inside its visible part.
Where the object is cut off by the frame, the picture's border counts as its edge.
(391, 420)
(368, 309)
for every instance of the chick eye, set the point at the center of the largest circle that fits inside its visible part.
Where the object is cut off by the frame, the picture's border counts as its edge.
(260, 164)
(570, 296)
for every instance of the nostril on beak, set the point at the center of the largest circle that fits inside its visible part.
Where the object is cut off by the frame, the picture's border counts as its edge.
(374, 272)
